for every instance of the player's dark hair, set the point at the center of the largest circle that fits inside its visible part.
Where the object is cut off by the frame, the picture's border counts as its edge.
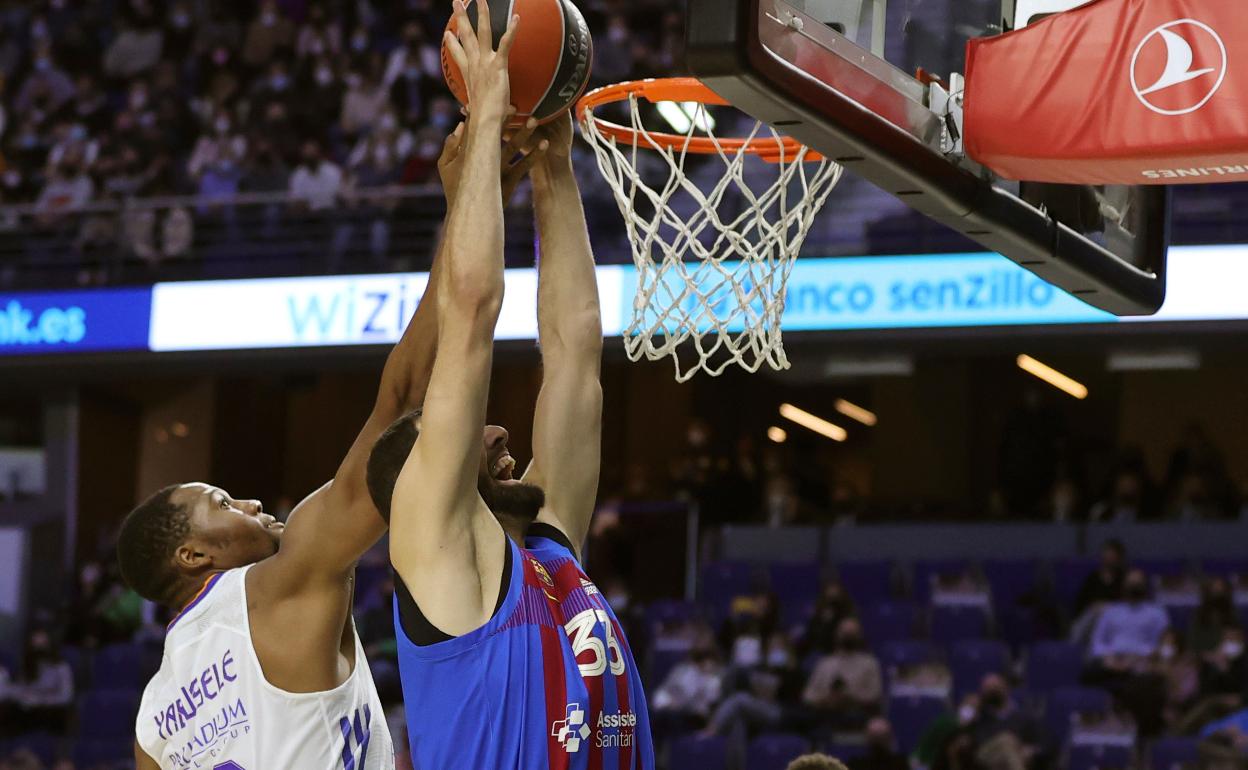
(145, 546)
(387, 459)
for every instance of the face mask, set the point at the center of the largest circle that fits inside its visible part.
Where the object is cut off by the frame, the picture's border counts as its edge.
(268, 19)
(387, 122)
(617, 34)
(1167, 652)
(353, 81)
(220, 57)
(411, 73)
(222, 125)
(138, 100)
(381, 155)
(279, 82)
(1232, 649)
(43, 65)
(77, 133)
(966, 714)
(440, 121)
(324, 76)
(359, 43)
(181, 20)
(778, 658)
(316, 46)
(39, 30)
(12, 178)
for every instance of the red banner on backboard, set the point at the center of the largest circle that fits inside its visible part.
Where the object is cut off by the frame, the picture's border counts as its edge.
(1114, 92)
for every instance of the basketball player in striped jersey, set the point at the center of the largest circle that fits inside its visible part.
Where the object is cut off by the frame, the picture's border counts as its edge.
(262, 667)
(510, 657)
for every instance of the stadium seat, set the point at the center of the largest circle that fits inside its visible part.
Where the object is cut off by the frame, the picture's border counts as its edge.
(106, 714)
(118, 667)
(1009, 580)
(1163, 567)
(1174, 753)
(1068, 577)
(723, 581)
(971, 660)
(796, 614)
(1053, 664)
(1224, 567)
(1099, 758)
(866, 582)
(103, 752)
(702, 753)
(775, 751)
(664, 612)
(907, 652)
(951, 624)
(889, 621)
(1180, 617)
(1066, 703)
(911, 717)
(926, 570)
(799, 581)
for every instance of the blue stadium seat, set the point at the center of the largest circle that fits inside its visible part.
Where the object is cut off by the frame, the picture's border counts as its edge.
(668, 612)
(926, 570)
(798, 582)
(1174, 753)
(1053, 664)
(1068, 577)
(703, 753)
(1180, 618)
(1224, 567)
(1162, 567)
(118, 667)
(866, 582)
(951, 624)
(1099, 758)
(907, 652)
(1009, 580)
(775, 751)
(971, 660)
(106, 714)
(1066, 703)
(107, 752)
(911, 717)
(889, 621)
(723, 581)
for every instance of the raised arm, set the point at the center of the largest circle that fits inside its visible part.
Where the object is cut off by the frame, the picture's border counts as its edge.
(444, 542)
(567, 424)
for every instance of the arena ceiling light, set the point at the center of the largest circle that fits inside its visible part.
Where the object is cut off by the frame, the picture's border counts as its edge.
(682, 116)
(813, 423)
(777, 434)
(855, 412)
(1053, 377)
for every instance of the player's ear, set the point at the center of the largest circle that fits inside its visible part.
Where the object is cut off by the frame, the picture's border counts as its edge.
(189, 557)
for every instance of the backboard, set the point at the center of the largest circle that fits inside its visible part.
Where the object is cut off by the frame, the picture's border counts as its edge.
(843, 76)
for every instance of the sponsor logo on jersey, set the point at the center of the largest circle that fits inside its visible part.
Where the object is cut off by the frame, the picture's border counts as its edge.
(589, 588)
(1178, 67)
(571, 730)
(196, 694)
(212, 736)
(542, 574)
(615, 730)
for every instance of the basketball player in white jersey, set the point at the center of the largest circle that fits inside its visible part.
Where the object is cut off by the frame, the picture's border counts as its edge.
(262, 668)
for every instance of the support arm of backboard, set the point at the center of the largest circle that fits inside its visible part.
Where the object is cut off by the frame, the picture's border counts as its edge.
(787, 69)
(846, 17)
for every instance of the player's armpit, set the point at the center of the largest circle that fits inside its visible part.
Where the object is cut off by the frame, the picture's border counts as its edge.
(142, 760)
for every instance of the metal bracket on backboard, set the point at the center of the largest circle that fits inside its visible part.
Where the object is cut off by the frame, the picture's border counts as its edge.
(846, 17)
(783, 67)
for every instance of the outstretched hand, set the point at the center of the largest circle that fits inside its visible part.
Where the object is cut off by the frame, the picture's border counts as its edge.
(522, 149)
(484, 69)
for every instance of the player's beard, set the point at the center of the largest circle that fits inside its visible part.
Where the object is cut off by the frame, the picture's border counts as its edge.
(515, 501)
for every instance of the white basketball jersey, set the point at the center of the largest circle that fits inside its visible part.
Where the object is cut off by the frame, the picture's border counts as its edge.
(210, 707)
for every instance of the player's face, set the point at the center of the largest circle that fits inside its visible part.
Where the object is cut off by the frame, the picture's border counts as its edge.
(234, 532)
(502, 491)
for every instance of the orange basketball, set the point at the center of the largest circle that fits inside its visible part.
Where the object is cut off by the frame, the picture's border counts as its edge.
(550, 57)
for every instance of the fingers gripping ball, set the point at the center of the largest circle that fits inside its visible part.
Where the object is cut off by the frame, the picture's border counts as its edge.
(550, 59)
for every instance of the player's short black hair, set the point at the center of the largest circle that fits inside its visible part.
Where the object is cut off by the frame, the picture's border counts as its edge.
(388, 458)
(146, 544)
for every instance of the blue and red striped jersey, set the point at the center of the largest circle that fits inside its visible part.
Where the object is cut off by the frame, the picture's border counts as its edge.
(549, 682)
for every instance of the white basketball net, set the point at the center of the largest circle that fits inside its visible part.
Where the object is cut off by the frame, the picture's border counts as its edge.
(711, 280)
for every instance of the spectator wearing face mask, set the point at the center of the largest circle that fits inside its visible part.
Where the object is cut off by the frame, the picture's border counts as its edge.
(846, 686)
(1126, 636)
(320, 36)
(220, 151)
(1181, 672)
(690, 691)
(273, 88)
(832, 607)
(267, 35)
(364, 100)
(769, 699)
(881, 753)
(1215, 615)
(1223, 678)
(44, 692)
(46, 89)
(317, 181)
(1006, 737)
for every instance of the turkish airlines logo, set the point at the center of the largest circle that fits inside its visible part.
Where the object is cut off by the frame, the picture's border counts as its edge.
(1178, 67)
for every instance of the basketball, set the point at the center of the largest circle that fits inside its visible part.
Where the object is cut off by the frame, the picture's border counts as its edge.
(550, 58)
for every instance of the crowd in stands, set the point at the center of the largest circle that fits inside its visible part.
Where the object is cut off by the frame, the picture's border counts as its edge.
(320, 101)
(1039, 476)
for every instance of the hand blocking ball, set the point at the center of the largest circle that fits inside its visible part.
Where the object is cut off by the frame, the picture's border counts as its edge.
(550, 58)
